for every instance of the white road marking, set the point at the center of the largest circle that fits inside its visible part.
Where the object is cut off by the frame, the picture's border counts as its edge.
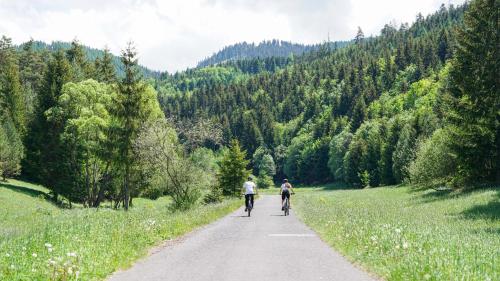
(291, 235)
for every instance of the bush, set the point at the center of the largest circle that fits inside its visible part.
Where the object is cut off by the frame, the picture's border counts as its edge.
(214, 196)
(264, 181)
(364, 177)
(435, 164)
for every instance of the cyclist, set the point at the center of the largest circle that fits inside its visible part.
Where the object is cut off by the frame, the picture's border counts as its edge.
(286, 189)
(249, 189)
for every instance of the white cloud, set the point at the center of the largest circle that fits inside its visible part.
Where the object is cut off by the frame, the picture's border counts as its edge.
(175, 34)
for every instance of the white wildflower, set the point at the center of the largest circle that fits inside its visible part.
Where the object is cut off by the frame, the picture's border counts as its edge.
(71, 254)
(48, 245)
(34, 255)
(50, 250)
(374, 238)
(24, 248)
(52, 262)
(397, 230)
(405, 245)
(12, 266)
(7, 255)
(70, 271)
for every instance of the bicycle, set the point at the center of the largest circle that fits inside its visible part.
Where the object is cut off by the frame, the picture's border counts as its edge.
(249, 207)
(286, 205)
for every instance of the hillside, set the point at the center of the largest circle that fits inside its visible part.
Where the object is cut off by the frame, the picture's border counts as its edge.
(265, 49)
(92, 54)
(350, 114)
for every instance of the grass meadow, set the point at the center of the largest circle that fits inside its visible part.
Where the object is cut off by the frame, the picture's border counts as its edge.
(400, 233)
(40, 241)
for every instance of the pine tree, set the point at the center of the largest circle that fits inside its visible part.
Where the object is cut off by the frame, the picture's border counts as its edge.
(475, 102)
(233, 169)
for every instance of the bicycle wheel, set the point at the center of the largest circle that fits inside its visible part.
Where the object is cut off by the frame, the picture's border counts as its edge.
(249, 209)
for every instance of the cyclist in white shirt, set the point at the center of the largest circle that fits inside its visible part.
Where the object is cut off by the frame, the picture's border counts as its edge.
(249, 189)
(285, 190)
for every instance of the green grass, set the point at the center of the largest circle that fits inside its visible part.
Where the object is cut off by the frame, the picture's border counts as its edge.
(40, 241)
(405, 234)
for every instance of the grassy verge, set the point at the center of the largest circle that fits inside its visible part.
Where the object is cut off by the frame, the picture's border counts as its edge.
(404, 234)
(39, 241)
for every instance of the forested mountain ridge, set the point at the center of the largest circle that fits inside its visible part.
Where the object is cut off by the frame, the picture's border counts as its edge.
(91, 54)
(265, 49)
(360, 114)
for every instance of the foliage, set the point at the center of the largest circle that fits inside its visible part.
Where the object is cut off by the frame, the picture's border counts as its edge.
(83, 108)
(168, 168)
(264, 181)
(435, 164)
(338, 148)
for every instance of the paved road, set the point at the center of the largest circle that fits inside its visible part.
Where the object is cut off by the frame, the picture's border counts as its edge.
(264, 247)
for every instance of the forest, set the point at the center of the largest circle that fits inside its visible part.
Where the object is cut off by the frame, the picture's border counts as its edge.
(416, 104)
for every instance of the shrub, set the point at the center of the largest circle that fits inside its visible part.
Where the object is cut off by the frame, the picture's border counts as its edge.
(435, 164)
(214, 196)
(264, 181)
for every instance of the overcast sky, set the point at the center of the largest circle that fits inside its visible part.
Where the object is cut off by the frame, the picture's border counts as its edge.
(175, 34)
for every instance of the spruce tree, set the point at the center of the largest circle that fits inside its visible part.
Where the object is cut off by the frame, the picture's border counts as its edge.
(475, 99)
(128, 113)
(104, 68)
(360, 36)
(43, 142)
(11, 96)
(233, 170)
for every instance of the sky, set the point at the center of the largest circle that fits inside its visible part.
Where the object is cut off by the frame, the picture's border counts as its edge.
(173, 35)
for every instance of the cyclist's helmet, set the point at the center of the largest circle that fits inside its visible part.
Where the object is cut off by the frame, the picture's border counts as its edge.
(285, 180)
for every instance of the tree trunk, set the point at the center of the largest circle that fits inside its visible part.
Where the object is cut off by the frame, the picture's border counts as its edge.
(126, 197)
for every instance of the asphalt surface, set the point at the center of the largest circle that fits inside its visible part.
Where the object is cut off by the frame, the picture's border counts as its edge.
(266, 247)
